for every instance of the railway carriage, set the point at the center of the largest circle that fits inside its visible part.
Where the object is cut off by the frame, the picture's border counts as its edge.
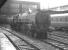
(59, 21)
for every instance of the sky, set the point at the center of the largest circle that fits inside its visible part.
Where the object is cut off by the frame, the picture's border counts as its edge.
(45, 4)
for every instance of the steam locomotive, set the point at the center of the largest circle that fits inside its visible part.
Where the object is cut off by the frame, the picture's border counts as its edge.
(35, 24)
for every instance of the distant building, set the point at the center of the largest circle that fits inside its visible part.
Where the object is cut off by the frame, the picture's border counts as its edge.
(15, 7)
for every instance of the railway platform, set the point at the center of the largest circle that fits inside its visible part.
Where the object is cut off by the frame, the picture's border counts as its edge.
(5, 44)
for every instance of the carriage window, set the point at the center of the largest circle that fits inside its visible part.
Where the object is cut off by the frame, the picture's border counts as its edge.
(52, 19)
(67, 18)
(61, 19)
(57, 19)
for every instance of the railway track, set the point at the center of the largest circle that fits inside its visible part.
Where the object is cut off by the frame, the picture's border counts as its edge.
(54, 43)
(19, 43)
(59, 36)
(57, 44)
(58, 39)
(56, 48)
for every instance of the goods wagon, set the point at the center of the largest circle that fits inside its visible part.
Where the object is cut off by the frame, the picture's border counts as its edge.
(59, 21)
